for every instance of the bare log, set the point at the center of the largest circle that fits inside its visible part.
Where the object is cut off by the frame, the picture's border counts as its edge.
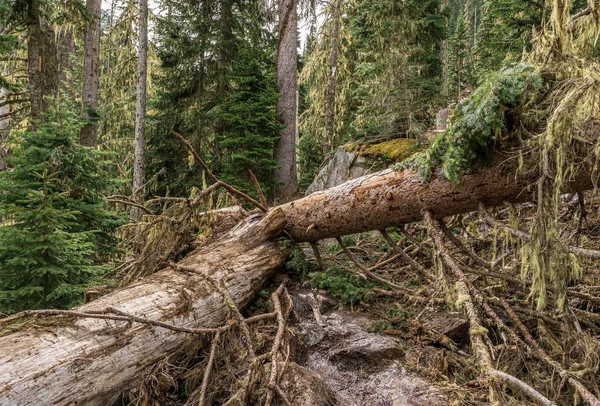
(90, 361)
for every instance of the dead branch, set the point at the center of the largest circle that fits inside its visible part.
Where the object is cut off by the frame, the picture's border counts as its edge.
(585, 394)
(263, 199)
(277, 342)
(225, 186)
(414, 264)
(522, 386)
(208, 370)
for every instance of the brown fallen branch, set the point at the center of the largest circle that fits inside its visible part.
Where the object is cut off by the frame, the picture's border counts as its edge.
(513, 382)
(276, 343)
(206, 377)
(261, 195)
(477, 332)
(366, 271)
(315, 248)
(460, 245)
(225, 186)
(414, 264)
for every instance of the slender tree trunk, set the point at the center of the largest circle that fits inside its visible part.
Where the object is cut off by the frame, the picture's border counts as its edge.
(140, 106)
(287, 105)
(331, 86)
(444, 57)
(65, 48)
(407, 105)
(91, 74)
(42, 61)
(4, 124)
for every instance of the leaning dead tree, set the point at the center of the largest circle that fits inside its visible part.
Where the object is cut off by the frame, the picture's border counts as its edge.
(96, 352)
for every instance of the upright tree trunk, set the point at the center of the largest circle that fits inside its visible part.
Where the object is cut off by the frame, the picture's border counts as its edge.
(140, 106)
(42, 61)
(4, 123)
(91, 74)
(287, 106)
(444, 57)
(65, 45)
(332, 82)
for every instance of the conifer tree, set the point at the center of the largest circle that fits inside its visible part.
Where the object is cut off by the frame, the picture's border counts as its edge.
(56, 223)
(248, 121)
(398, 70)
(199, 79)
(460, 67)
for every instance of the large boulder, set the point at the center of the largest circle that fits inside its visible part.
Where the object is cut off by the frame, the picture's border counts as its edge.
(356, 160)
(341, 167)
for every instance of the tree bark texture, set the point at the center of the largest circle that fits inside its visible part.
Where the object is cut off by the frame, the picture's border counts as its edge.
(42, 61)
(91, 74)
(287, 105)
(332, 82)
(140, 105)
(392, 198)
(4, 125)
(90, 361)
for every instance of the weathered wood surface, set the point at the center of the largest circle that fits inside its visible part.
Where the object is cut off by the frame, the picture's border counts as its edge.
(90, 361)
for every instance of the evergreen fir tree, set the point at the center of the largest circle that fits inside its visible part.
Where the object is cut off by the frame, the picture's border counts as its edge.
(56, 223)
(460, 69)
(397, 84)
(248, 119)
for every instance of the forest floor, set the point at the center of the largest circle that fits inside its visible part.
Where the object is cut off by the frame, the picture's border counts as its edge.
(373, 347)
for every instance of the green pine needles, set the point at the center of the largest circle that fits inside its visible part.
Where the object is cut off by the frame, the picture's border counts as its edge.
(248, 121)
(54, 224)
(477, 123)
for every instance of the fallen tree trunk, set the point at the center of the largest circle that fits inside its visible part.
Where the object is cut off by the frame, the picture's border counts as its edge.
(89, 361)
(392, 198)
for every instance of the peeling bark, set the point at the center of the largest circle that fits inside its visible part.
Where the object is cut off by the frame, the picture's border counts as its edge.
(90, 361)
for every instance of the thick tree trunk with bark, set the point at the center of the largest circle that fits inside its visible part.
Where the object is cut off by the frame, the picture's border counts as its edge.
(91, 73)
(42, 61)
(287, 105)
(4, 124)
(90, 361)
(392, 198)
(140, 106)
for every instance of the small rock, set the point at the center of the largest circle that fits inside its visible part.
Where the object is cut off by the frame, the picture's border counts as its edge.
(454, 325)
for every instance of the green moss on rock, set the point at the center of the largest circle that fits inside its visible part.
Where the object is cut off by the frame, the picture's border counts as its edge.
(395, 150)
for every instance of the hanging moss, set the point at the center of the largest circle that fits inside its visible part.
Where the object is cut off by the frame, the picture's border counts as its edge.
(477, 123)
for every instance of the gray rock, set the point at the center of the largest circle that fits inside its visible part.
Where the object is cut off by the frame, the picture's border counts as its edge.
(360, 367)
(342, 166)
